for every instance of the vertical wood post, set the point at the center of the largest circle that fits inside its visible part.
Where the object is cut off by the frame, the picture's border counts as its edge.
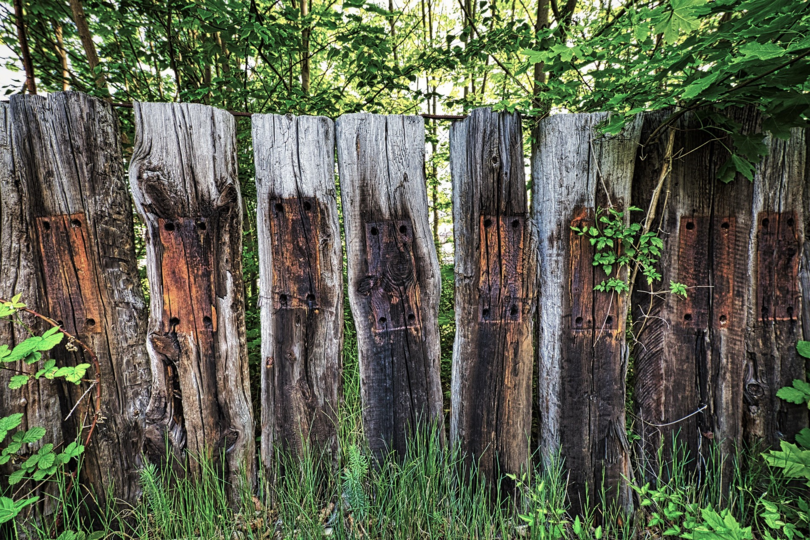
(775, 314)
(581, 337)
(495, 267)
(301, 279)
(394, 279)
(80, 232)
(691, 352)
(184, 182)
(38, 401)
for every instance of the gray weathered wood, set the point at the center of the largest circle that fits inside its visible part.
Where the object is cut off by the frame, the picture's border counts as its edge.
(183, 175)
(302, 303)
(68, 158)
(581, 340)
(394, 279)
(774, 315)
(495, 269)
(38, 401)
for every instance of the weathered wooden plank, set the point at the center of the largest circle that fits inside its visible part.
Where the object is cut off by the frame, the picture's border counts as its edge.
(775, 315)
(301, 277)
(382, 182)
(68, 158)
(581, 342)
(691, 352)
(495, 267)
(183, 176)
(38, 401)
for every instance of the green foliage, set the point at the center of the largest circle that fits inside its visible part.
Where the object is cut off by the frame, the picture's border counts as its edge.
(543, 499)
(43, 463)
(354, 474)
(619, 244)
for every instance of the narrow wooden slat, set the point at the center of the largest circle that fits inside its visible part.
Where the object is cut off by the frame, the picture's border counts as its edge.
(495, 265)
(581, 335)
(301, 279)
(775, 322)
(184, 182)
(69, 161)
(394, 279)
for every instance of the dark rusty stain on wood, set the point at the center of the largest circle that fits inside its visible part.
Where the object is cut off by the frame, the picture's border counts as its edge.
(187, 260)
(581, 285)
(295, 224)
(777, 266)
(391, 280)
(501, 269)
(70, 274)
(724, 254)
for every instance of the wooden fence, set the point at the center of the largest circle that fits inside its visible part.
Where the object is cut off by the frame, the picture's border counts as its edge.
(706, 368)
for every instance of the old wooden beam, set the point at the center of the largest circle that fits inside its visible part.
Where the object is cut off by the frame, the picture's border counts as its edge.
(495, 268)
(80, 232)
(394, 279)
(581, 335)
(691, 352)
(183, 176)
(775, 315)
(301, 278)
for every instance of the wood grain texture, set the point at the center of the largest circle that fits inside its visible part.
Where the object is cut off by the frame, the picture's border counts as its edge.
(68, 158)
(183, 175)
(496, 274)
(581, 333)
(392, 266)
(301, 278)
(775, 312)
(691, 352)
(38, 401)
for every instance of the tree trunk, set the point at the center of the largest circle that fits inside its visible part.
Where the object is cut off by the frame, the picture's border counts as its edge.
(775, 322)
(394, 279)
(581, 339)
(25, 52)
(81, 225)
(301, 269)
(87, 42)
(183, 175)
(495, 267)
(305, 60)
(63, 60)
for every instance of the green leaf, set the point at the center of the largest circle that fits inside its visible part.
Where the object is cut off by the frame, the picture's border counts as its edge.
(33, 435)
(803, 348)
(18, 381)
(16, 477)
(762, 51)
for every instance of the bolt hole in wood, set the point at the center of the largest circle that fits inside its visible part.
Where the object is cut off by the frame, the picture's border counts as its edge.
(723, 319)
(687, 317)
(487, 223)
(279, 207)
(578, 321)
(46, 225)
(307, 206)
(75, 223)
(169, 226)
(689, 225)
(403, 229)
(90, 322)
(725, 226)
(609, 321)
(209, 324)
(374, 231)
(174, 321)
(201, 225)
(411, 317)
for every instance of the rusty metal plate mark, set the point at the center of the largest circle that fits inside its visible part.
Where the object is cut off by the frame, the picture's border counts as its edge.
(724, 254)
(391, 280)
(70, 275)
(693, 271)
(777, 266)
(581, 278)
(186, 268)
(500, 280)
(295, 226)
